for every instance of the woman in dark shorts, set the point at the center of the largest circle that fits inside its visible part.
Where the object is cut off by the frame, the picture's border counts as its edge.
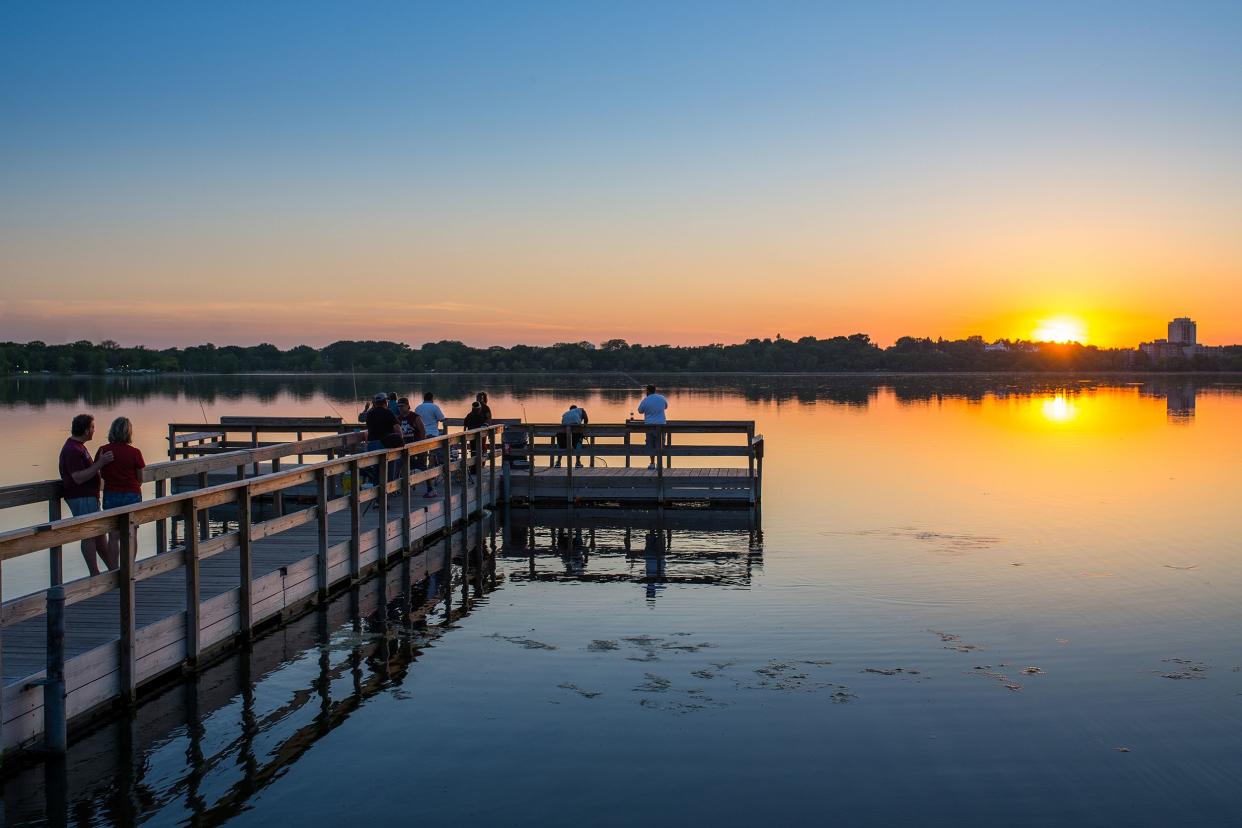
(122, 478)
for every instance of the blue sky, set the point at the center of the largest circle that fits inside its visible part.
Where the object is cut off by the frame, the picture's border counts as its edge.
(701, 144)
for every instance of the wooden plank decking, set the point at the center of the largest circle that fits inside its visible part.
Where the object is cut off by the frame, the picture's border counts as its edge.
(710, 485)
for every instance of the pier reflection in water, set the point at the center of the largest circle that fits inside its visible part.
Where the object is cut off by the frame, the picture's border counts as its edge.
(197, 752)
(647, 547)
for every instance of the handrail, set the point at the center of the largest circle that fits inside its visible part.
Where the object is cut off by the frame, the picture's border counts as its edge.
(23, 494)
(18, 542)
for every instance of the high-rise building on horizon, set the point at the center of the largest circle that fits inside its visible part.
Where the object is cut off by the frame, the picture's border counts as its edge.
(1182, 331)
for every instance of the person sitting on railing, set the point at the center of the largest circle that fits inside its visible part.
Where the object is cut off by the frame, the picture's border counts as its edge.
(79, 479)
(574, 416)
(652, 407)
(122, 478)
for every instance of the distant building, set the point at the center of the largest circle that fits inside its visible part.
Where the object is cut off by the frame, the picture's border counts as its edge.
(1182, 331)
(1183, 343)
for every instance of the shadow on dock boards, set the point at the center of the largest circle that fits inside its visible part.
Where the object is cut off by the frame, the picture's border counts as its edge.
(649, 547)
(201, 748)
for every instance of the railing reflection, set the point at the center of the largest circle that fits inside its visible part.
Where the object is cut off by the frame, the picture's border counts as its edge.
(199, 751)
(652, 548)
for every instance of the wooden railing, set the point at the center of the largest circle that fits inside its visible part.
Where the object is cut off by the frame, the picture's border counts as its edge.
(629, 440)
(196, 439)
(140, 655)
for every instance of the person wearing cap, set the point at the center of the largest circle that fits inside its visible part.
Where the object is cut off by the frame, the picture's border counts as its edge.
(381, 426)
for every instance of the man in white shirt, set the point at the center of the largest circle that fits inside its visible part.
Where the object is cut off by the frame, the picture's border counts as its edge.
(652, 408)
(432, 416)
(572, 417)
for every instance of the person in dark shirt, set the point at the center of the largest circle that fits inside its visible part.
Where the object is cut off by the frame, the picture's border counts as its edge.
(122, 478)
(475, 419)
(79, 483)
(484, 408)
(382, 429)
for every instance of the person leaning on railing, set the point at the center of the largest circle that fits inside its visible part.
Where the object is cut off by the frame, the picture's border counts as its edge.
(79, 480)
(122, 478)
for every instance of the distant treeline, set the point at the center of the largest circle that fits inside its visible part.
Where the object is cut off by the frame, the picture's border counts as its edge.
(839, 353)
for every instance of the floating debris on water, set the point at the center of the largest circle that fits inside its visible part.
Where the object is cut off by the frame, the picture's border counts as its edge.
(528, 643)
(601, 645)
(953, 641)
(654, 684)
(1193, 669)
(586, 694)
(1181, 568)
(1033, 671)
(890, 671)
(1122, 749)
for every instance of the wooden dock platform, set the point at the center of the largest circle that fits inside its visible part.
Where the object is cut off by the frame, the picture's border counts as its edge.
(616, 463)
(69, 650)
(303, 524)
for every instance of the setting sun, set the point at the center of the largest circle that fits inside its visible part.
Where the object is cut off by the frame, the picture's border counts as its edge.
(1060, 329)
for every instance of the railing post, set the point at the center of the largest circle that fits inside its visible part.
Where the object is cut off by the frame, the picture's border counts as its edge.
(627, 446)
(193, 607)
(592, 451)
(128, 661)
(355, 520)
(478, 473)
(669, 446)
(161, 525)
(381, 508)
(54, 686)
(245, 561)
(172, 442)
(204, 520)
(463, 452)
(491, 461)
(447, 456)
(321, 526)
(750, 459)
(299, 436)
(1, 662)
(659, 430)
(278, 496)
(530, 465)
(407, 506)
(56, 558)
(569, 466)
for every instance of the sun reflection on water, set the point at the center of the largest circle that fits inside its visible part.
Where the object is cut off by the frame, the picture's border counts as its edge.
(1059, 409)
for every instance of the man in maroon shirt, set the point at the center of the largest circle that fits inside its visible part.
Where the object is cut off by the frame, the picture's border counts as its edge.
(79, 482)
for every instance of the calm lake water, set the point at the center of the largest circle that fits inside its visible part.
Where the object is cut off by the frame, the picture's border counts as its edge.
(970, 601)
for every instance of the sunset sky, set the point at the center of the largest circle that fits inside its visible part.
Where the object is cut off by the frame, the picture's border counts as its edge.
(663, 172)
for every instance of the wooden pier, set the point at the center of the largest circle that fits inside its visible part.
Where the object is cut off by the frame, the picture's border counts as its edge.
(72, 649)
(247, 533)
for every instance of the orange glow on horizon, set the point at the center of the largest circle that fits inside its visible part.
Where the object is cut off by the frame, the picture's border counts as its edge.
(1061, 329)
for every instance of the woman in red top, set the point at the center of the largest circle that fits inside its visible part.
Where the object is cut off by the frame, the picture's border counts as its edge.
(122, 478)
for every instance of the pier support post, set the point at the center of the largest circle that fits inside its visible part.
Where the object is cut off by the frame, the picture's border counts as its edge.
(128, 660)
(161, 526)
(193, 609)
(54, 734)
(56, 559)
(446, 449)
(245, 598)
(463, 451)
(381, 509)
(407, 506)
(355, 519)
(321, 526)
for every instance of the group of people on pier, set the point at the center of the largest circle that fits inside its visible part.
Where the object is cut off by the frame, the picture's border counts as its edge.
(115, 470)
